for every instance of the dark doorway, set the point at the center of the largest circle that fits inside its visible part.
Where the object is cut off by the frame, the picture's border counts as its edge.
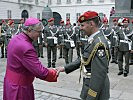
(57, 18)
(24, 14)
(132, 4)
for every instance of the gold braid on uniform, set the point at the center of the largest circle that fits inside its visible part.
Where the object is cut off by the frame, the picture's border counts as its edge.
(92, 55)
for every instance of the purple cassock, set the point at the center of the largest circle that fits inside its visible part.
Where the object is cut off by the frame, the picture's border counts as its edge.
(22, 67)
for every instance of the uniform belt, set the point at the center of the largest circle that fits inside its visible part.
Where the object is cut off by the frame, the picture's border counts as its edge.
(18, 78)
(124, 41)
(51, 37)
(83, 39)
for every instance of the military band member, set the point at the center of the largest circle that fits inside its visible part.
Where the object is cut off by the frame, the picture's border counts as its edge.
(61, 38)
(3, 37)
(10, 32)
(114, 41)
(51, 32)
(106, 29)
(38, 45)
(124, 48)
(78, 37)
(20, 26)
(95, 60)
(68, 43)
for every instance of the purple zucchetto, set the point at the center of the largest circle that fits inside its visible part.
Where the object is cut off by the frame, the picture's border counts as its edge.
(31, 21)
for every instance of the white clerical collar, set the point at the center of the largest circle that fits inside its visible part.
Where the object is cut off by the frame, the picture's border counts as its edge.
(91, 36)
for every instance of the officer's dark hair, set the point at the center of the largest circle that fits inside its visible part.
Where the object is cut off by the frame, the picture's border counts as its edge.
(96, 20)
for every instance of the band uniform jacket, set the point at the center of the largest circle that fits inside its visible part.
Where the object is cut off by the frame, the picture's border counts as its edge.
(114, 36)
(123, 40)
(68, 36)
(50, 31)
(107, 32)
(96, 57)
(61, 35)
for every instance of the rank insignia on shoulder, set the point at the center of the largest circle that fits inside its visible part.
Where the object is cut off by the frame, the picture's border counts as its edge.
(101, 53)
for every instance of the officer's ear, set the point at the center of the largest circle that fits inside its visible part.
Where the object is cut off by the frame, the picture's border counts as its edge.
(29, 29)
(91, 23)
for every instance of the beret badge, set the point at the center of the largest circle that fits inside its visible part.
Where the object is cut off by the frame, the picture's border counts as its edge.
(82, 18)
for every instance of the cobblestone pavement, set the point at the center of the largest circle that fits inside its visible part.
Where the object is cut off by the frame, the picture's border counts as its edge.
(40, 95)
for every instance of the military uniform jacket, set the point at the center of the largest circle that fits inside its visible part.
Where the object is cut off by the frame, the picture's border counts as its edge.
(96, 57)
(69, 35)
(114, 36)
(40, 39)
(78, 35)
(61, 35)
(107, 32)
(51, 31)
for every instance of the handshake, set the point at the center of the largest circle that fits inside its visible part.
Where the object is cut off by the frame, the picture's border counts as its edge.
(53, 74)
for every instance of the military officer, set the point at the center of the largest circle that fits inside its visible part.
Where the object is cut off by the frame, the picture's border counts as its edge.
(78, 37)
(106, 29)
(61, 38)
(68, 43)
(3, 33)
(51, 32)
(124, 48)
(10, 32)
(114, 41)
(95, 60)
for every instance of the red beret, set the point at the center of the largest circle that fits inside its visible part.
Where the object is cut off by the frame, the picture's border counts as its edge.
(3, 21)
(11, 22)
(87, 15)
(115, 20)
(21, 19)
(105, 20)
(51, 19)
(68, 19)
(125, 19)
(61, 21)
